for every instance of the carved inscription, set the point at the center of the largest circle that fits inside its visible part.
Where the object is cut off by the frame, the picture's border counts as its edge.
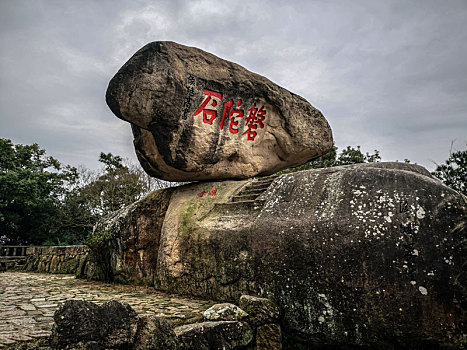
(210, 193)
(209, 106)
(255, 118)
(191, 93)
(232, 114)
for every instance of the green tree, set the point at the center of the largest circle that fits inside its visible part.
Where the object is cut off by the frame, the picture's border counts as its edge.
(45, 202)
(352, 155)
(454, 171)
(111, 162)
(31, 188)
(325, 161)
(349, 155)
(115, 187)
(73, 221)
(97, 193)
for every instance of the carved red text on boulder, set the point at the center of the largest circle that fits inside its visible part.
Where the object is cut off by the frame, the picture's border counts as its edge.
(231, 114)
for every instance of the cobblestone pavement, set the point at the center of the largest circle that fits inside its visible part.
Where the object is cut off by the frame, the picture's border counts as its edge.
(29, 300)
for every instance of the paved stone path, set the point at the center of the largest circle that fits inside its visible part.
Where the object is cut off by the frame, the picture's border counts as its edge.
(29, 300)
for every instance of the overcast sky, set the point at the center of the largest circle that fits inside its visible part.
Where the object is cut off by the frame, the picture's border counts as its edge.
(387, 75)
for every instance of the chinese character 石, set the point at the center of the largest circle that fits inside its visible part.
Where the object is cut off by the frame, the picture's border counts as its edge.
(255, 118)
(201, 194)
(231, 113)
(208, 107)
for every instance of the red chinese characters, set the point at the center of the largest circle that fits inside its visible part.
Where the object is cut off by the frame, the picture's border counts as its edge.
(208, 107)
(211, 193)
(231, 114)
(255, 118)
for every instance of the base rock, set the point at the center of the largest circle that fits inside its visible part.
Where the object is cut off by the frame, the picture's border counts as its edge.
(368, 255)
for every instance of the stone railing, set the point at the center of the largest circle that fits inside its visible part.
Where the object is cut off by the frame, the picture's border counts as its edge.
(57, 259)
(12, 256)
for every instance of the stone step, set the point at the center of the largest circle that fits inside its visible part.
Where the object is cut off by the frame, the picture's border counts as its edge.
(246, 191)
(273, 176)
(269, 180)
(258, 186)
(244, 197)
(248, 205)
(250, 193)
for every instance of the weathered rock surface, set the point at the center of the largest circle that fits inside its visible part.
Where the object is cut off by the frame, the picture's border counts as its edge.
(368, 255)
(220, 335)
(198, 117)
(155, 333)
(135, 247)
(114, 325)
(269, 336)
(224, 312)
(260, 310)
(80, 322)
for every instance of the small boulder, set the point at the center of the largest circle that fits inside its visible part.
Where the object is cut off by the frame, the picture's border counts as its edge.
(155, 333)
(224, 312)
(77, 321)
(114, 325)
(260, 310)
(222, 335)
(119, 324)
(196, 116)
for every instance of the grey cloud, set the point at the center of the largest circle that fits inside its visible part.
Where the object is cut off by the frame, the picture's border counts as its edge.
(388, 75)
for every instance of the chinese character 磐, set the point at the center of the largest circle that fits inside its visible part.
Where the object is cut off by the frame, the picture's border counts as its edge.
(231, 113)
(255, 118)
(208, 107)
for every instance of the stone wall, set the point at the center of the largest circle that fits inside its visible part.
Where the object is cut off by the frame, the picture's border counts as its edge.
(12, 257)
(67, 259)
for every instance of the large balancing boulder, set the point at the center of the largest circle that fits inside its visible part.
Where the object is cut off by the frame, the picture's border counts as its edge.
(196, 116)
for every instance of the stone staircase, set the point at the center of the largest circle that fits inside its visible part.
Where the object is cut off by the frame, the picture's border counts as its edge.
(247, 197)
